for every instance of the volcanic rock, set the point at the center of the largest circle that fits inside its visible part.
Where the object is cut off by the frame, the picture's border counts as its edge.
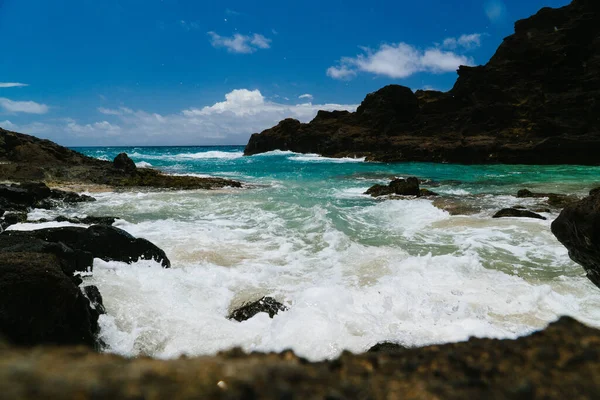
(578, 229)
(517, 212)
(560, 362)
(265, 304)
(40, 304)
(101, 241)
(534, 102)
(26, 158)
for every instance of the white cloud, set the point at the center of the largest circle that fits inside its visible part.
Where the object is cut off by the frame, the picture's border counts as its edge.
(402, 60)
(306, 96)
(240, 43)
(12, 84)
(30, 107)
(189, 25)
(470, 41)
(231, 121)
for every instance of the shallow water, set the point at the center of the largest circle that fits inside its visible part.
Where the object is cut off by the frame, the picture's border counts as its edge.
(353, 270)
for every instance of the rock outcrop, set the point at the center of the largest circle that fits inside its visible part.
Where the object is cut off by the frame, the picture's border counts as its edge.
(401, 187)
(561, 362)
(534, 102)
(578, 229)
(42, 304)
(25, 158)
(101, 241)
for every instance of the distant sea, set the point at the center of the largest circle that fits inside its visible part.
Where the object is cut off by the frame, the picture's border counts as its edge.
(353, 270)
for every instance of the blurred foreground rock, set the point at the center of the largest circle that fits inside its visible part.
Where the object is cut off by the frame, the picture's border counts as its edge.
(561, 362)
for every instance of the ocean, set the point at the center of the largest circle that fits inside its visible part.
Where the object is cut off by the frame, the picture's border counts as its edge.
(352, 269)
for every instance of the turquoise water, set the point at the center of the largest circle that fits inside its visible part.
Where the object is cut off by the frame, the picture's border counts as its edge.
(353, 270)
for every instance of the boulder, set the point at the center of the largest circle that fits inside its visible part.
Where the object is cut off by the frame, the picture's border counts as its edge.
(578, 229)
(106, 242)
(21, 197)
(265, 304)
(516, 212)
(40, 304)
(124, 163)
(401, 187)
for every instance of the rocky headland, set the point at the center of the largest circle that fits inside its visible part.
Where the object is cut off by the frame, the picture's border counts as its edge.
(534, 102)
(25, 158)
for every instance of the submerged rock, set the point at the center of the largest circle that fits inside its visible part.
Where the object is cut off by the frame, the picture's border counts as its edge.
(561, 362)
(266, 304)
(40, 304)
(578, 229)
(554, 199)
(457, 205)
(106, 242)
(517, 212)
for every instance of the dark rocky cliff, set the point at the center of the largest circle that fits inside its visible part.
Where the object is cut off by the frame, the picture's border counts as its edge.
(537, 101)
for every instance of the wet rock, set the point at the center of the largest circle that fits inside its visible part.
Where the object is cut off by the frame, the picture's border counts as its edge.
(124, 163)
(266, 304)
(40, 304)
(105, 242)
(88, 220)
(385, 347)
(473, 369)
(12, 218)
(427, 193)
(401, 187)
(95, 298)
(554, 199)
(456, 206)
(578, 229)
(515, 212)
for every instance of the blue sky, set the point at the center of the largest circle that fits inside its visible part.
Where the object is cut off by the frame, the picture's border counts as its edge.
(191, 72)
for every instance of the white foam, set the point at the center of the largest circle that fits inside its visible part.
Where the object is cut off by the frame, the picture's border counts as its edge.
(41, 225)
(318, 158)
(399, 270)
(143, 164)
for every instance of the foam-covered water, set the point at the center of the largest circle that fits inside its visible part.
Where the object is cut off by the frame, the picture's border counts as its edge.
(353, 270)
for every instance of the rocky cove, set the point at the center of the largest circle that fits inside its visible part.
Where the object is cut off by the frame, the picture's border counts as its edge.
(387, 260)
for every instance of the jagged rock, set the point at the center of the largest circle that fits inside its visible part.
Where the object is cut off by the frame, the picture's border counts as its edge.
(40, 304)
(578, 229)
(95, 298)
(516, 212)
(106, 242)
(25, 158)
(534, 102)
(427, 193)
(385, 347)
(28, 195)
(561, 362)
(265, 304)
(124, 163)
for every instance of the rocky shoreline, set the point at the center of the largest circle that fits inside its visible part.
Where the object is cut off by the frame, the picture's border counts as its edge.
(534, 102)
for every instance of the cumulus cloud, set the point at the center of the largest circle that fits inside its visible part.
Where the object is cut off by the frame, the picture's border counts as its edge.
(240, 43)
(29, 107)
(467, 42)
(401, 60)
(12, 84)
(231, 121)
(306, 96)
